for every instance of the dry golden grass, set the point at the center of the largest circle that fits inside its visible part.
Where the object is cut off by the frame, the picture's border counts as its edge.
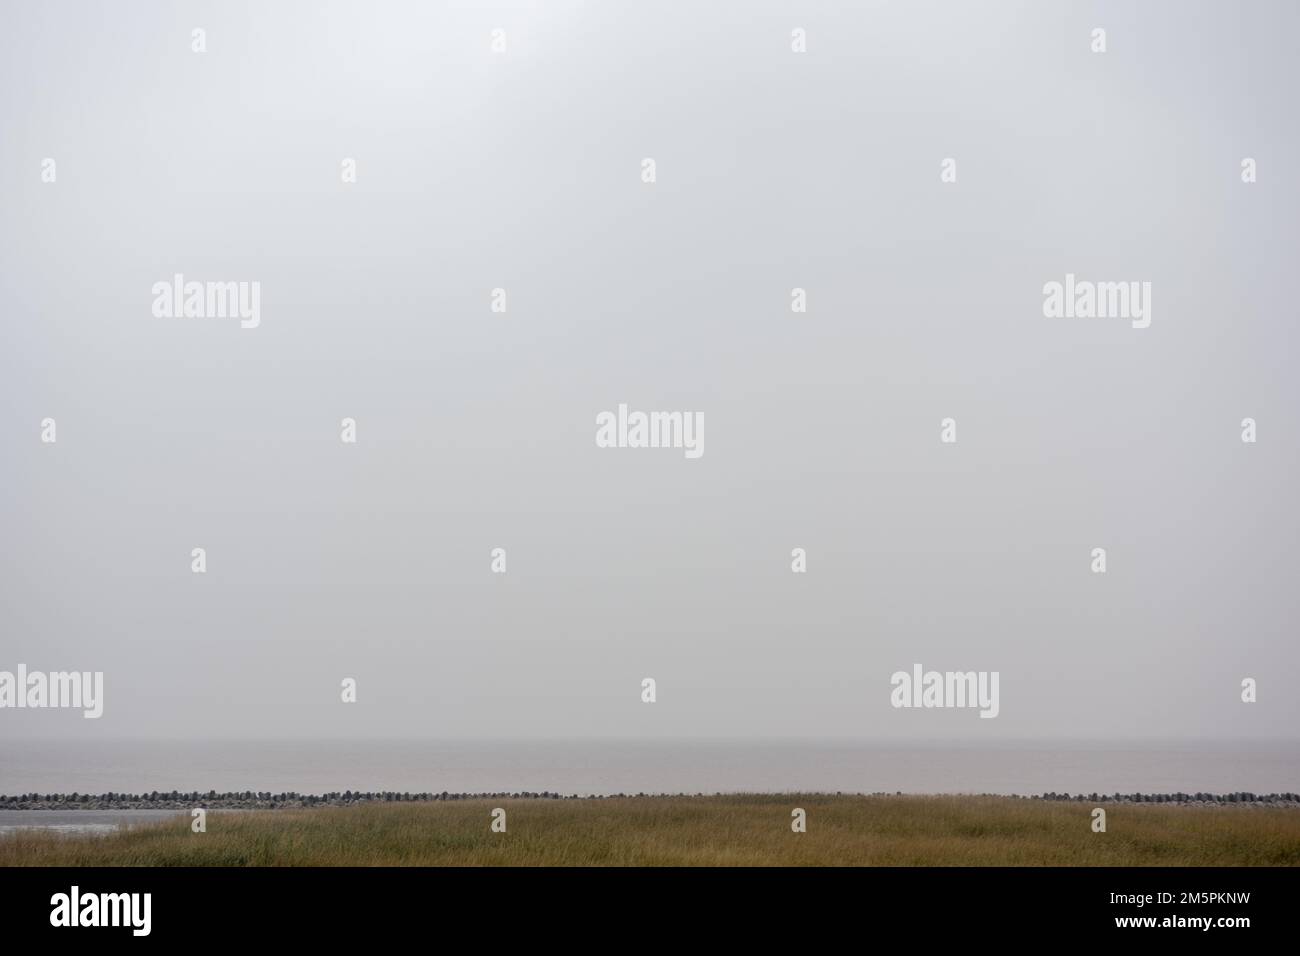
(742, 830)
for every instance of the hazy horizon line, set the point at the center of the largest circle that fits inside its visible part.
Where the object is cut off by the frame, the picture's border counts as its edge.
(634, 739)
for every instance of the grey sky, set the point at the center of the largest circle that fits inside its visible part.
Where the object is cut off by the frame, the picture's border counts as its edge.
(775, 170)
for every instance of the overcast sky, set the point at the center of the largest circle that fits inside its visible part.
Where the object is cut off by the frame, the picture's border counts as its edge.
(522, 170)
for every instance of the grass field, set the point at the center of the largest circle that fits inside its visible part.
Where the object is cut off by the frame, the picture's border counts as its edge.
(739, 830)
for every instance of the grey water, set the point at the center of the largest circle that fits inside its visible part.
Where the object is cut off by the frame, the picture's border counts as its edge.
(604, 766)
(79, 821)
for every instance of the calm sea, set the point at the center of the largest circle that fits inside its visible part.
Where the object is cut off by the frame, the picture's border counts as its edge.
(679, 766)
(79, 821)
